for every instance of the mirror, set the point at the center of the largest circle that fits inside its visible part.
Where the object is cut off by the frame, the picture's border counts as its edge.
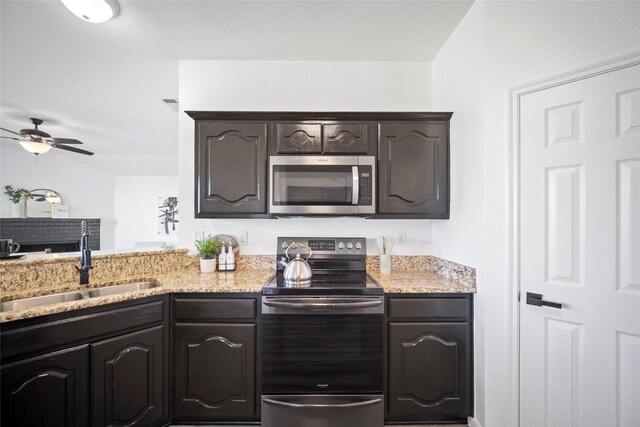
(41, 203)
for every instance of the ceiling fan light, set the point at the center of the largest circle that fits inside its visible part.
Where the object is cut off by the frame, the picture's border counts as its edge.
(96, 11)
(34, 146)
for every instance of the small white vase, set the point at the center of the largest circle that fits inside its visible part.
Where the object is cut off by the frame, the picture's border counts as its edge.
(208, 265)
(16, 211)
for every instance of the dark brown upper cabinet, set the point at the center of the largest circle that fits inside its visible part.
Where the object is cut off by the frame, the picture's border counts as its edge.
(231, 169)
(348, 138)
(324, 138)
(413, 170)
(298, 138)
(232, 150)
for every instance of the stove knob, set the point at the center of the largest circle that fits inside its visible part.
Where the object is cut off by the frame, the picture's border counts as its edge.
(349, 245)
(340, 245)
(358, 245)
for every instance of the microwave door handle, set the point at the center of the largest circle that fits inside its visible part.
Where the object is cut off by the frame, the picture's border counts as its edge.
(355, 185)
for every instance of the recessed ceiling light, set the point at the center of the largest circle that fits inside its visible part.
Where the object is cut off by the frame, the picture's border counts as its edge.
(95, 11)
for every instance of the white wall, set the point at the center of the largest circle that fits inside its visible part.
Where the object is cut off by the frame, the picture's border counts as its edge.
(297, 86)
(503, 45)
(87, 191)
(136, 209)
(458, 85)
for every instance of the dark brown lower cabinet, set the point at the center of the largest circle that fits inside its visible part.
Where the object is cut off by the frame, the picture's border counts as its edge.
(109, 367)
(428, 371)
(214, 371)
(120, 374)
(48, 390)
(430, 357)
(128, 379)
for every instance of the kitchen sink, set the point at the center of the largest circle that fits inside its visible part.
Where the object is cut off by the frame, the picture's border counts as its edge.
(23, 304)
(119, 289)
(26, 303)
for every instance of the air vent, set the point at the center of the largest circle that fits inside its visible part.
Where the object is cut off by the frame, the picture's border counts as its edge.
(172, 103)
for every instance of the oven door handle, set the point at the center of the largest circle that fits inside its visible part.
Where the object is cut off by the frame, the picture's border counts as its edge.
(323, 305)
(355, 185)
(320, 405)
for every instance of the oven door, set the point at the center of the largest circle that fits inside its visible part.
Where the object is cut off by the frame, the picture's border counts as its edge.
(320, 185)
(327, 345)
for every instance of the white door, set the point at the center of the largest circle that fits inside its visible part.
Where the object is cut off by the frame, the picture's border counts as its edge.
(580, 247)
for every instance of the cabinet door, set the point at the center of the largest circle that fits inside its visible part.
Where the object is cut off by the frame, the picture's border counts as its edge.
(429, 367)
(298, 138)
(352, 138)
(128, 379)
(47, 390)
(231, 164)
(413, 169)
(214, 371)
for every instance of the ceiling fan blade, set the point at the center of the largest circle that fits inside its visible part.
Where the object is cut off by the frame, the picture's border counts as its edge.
(73, 149)
(10, 137)
(65, 141)
(10, 131)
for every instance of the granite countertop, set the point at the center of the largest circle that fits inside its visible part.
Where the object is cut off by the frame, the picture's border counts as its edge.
(250, 279)
(190, 280)
(418, 282)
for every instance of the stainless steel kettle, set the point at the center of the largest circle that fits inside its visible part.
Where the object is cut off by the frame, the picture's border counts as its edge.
(297, 271)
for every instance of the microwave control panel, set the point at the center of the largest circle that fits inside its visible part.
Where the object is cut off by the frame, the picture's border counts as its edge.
(366, 185)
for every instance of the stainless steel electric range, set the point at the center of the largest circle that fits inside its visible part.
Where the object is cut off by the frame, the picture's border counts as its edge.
(322, 342)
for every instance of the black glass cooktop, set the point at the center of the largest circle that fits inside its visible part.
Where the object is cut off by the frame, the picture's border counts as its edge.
(326, 283)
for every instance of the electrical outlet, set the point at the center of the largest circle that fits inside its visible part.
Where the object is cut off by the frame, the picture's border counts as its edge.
(243, 237)
(198, 235)
(401, 238)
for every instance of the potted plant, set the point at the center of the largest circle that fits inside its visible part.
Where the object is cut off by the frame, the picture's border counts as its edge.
(15, 195)
(208, 250)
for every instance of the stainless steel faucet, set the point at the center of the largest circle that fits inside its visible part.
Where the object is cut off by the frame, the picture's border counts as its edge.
(85, 255)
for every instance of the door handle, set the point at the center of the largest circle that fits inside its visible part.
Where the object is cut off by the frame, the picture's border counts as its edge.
(321, 406)
(324, 305)
(355, 185)
(536, 299)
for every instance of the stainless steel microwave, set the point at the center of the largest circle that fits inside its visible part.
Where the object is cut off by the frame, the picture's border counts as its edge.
(322, 185)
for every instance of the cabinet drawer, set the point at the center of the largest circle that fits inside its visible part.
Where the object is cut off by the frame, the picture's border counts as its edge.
(227, 308)
(429, 308)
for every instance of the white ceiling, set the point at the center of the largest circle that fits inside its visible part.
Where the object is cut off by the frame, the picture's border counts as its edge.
(104, 83)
